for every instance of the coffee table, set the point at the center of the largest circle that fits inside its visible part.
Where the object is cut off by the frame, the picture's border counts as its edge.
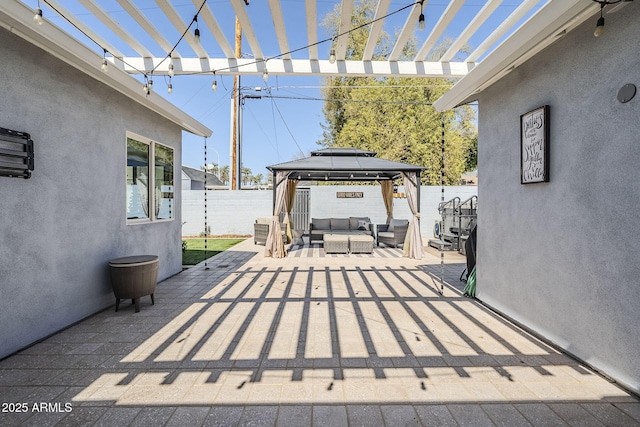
(360, 244)
(336, 243)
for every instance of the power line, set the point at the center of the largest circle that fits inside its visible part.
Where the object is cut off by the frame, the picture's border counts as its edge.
(285, 125)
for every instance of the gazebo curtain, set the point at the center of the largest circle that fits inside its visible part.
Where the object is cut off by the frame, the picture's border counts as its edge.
(387, 197)
(290, 196)
(413, 241)
(274, 246)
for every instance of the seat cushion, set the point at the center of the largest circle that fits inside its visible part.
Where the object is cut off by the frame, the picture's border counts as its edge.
(321, 223)
(339, 224)
(385, 235)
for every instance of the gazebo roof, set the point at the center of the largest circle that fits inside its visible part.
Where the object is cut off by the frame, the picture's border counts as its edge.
(344, 164)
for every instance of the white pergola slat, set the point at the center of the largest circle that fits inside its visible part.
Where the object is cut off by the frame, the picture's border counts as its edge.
(247, 29)
(407, 30)
(278, 23)
(133, 11)
(488, 62)
(444, 21)
(312, 28)
(179, 24)
(471, 29)
(345, 25)
(87, 30)
(212, 24)
(376, 29)
(114, 26)
(506, 25)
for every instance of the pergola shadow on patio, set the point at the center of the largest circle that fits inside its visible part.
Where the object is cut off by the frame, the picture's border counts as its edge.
(344, 164)
(307, 340)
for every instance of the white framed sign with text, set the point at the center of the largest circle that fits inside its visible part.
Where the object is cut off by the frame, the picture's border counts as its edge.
(534, 146)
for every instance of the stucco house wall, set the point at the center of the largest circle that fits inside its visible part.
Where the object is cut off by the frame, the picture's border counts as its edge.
(60, 228)
(562, 257)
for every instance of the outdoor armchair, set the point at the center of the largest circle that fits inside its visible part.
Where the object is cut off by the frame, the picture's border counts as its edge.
(261, 230)
(392, 234)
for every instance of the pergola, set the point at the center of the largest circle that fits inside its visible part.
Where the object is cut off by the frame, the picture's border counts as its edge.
(140, 40)
(344, 164)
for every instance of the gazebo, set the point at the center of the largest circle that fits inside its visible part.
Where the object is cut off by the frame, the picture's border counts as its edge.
(344, 164)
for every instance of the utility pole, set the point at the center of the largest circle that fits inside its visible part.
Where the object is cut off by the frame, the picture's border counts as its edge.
(234, 163)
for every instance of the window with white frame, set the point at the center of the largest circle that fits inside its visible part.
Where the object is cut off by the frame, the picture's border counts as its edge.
(150, 190)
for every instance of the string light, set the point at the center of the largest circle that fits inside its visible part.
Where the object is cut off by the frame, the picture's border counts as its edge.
(170, 87)
(214, 85)
(105, 64)
(421, 24)
(145, 88)
(148, 83)
(332, 56)
(37, 18)
(196, 32)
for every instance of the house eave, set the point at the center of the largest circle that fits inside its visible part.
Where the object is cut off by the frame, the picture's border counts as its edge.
(541, 30)
(18, 19)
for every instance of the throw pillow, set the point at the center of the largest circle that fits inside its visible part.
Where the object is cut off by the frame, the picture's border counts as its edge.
(364, 225)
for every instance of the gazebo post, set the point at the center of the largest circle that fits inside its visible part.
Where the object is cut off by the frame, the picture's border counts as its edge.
(273, 190)
(418, 184)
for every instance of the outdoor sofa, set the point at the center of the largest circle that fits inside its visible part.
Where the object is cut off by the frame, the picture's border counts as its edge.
(351, 225)
(392, 234)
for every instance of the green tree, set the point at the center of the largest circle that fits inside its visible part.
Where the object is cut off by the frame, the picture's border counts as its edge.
(224, 174)
(394, 116)
(246, 175)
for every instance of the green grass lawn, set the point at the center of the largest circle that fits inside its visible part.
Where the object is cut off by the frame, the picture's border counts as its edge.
(195, 249)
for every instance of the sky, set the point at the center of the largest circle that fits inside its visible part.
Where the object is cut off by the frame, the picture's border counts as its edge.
(274, 130)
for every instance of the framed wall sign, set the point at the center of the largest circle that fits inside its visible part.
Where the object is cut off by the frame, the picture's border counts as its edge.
(534, 146)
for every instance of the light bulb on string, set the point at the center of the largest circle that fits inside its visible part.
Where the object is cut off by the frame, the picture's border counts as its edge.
(145, 87)
(332, 56)
(600, 24)
(171, 70)
(421, 24)
(37, 18)
(265, 74)
(150, 85)
(214, 85)
(105, 64)
(170, 87)
(196, 32)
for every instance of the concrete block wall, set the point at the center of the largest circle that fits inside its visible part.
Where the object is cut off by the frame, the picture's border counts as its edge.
(234, 212)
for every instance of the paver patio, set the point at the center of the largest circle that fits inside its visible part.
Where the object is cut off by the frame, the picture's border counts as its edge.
(312, 339)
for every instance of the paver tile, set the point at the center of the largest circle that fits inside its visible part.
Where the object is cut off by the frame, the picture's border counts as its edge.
(322, 340)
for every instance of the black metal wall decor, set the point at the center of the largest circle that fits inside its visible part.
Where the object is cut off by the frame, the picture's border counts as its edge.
(16, 154)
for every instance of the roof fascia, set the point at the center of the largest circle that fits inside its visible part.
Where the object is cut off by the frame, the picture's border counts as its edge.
(553, 20)
(18, 19)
